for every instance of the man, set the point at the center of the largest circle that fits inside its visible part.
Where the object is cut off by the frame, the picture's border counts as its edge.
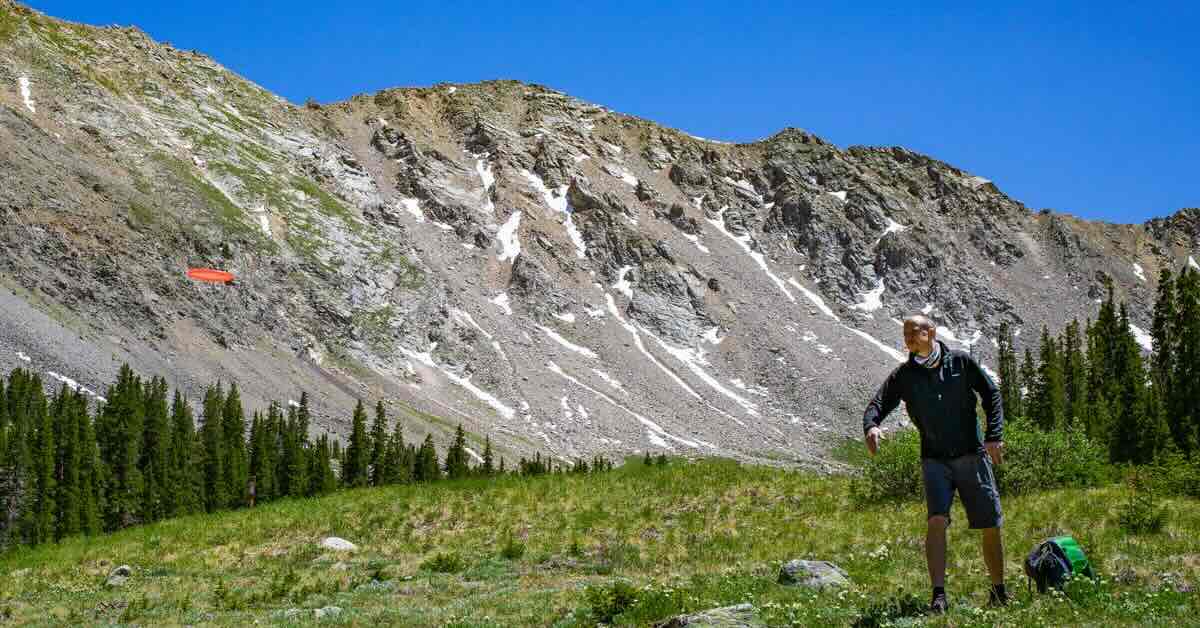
(938, 387)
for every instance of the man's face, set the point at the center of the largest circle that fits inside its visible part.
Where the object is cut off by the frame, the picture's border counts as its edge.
(918, 338)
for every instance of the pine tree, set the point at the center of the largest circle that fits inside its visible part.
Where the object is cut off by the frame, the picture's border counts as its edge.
(378, 446)
(1131, 437)
(1028, 384)
(1048, 399)
(456, 465)
(1162, 365)
(323, 478)
(119, 434)
(1074, 372)
(184, 477)
(397, 468)
(358, 454)
(233, 428)
(1184, 406)
(67, 456)
(212, 442)
(426, 464)
(1010, 378)
(15, 484)
(92, 477)
(155, 451)
(41, 503)
(488, 468)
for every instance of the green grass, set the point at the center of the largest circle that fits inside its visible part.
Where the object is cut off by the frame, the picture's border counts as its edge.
(329, 205)
(683, 537)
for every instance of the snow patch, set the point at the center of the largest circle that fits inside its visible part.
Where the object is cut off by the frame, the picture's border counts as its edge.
(711, 336)
(927, 309)
(1192, 263)
(488, 178)
(814, 298)
(839, 195)
(510, 242)
(978, 182)
(871, 300)
(501, 300)
(584, 351)
(654, 432)
(744, 242)
(474, 455)
(623, 286)
(637, 341)
(745, 187)
(693, 359)
(695, 239)
(1137, 270)
(566, 317)
(621, 173)
(293, 403)
(464, 318)
(22, 357)
(1142, 337)
(23, 84)
(412, 206)
(557, 200)
(426, 358)
(610, 380)
(899, 357)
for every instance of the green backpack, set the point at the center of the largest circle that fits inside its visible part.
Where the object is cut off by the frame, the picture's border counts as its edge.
(1053, 560)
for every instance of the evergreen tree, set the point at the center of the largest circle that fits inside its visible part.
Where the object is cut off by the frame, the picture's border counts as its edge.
(488, 468)
(212, 442)
(323, 478)
(233, 428)
(358, 454)
(296, 476)
(91, 472)
(185, 481)
(426, 465)
(456, 465)
(379, 444)
(1048, 398)
(1074, 373)
(1131, 439)
(1183, 407)
(67, 455)
(14, 477)
(155, 451)
(397, 467)
(1010, 378)
(119, 435)
(41, 503)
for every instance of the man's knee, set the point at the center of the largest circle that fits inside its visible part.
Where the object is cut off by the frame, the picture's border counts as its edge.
(939, 522)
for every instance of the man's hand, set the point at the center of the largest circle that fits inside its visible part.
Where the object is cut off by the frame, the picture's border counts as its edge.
(995, 450)
(874, 435)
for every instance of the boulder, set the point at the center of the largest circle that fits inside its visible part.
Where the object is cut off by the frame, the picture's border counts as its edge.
(740, 616)
(118, 576)
(816, 574)
(338, 544)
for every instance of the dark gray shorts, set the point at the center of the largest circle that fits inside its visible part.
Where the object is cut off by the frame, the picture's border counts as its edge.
(972, 477)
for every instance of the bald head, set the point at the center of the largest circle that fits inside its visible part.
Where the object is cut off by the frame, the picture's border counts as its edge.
(919, 334)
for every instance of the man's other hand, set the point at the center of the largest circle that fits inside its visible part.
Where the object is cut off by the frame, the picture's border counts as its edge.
(995, 450)
(874, 435)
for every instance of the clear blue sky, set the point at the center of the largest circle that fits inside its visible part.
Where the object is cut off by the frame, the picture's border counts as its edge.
(1088, 108)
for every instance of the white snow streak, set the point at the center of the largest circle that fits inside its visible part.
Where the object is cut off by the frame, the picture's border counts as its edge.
(637, 341)
(621, 173)
(23, 83)
(1192, 263)
(839, 195)
(426, 358)
(22, 357)
(1142, 337)
(411, 206)
(610, 380)
(899, 357)
(1137, 270)
(557, 200)
(744, 242)
(510, 242)
(584, 351)
(654, 432)
(566, 317)
(623, 286)
(692, 359)
(488, 179)
(502, 301)
(695, 239)
(711, 336)
(474, 455)
(814, 297)
(464, 318)
(871, 300)
(745, 187)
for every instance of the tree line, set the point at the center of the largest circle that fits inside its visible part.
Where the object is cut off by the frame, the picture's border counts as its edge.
(1094, 378)
(139, 458)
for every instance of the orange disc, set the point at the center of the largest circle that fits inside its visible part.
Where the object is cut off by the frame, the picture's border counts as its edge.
(209, 274)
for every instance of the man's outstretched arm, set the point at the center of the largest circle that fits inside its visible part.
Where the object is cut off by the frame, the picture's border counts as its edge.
(885, 400)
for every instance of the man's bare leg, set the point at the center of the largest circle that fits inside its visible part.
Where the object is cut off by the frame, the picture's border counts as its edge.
(935, 550)
(993, 554)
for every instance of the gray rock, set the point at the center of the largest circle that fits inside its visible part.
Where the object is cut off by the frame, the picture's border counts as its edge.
(338, 544)
(118, 576)
(328, 611)
(740, 616)
(815, 574)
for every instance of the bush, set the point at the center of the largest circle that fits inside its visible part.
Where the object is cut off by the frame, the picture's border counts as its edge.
(513, 549)
(1143, 512)
(1033, 461)
(1173, 474)
(608, 601)
(444, 563)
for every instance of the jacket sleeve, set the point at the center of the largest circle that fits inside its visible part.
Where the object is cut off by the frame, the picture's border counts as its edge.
(885, 400)
(989, 394)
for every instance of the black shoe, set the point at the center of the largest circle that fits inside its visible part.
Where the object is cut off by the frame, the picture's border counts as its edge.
(938, 604)
(997, 598)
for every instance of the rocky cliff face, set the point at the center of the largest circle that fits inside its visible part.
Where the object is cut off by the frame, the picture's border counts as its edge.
(545, 270)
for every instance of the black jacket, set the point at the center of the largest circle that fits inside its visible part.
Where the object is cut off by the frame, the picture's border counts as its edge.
(941, 402)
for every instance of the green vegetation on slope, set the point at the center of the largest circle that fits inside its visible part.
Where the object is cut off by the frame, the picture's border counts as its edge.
(550, 550)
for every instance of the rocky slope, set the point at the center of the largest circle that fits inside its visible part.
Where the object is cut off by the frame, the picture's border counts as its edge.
(542, 269)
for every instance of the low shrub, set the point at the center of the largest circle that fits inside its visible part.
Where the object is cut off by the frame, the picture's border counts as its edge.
(606, 601)
(444, 563)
